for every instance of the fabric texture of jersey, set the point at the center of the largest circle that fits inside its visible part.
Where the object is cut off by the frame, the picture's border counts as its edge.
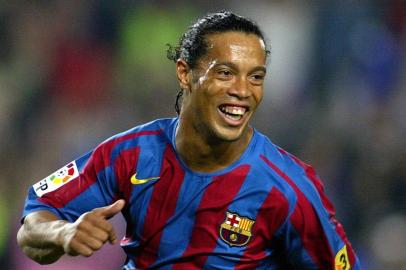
(267, 210)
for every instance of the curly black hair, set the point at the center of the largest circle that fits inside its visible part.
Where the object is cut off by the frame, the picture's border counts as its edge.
(192, 45)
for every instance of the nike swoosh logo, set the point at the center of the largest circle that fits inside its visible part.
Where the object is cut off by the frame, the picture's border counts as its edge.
(136, 181)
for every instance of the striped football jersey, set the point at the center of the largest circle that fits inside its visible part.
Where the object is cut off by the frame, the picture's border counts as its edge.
(267, 210)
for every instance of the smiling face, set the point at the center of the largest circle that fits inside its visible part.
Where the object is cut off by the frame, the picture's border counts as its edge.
(225, 88)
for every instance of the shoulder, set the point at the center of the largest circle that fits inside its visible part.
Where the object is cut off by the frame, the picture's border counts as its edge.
(148, 134)
(270, 155)
(278, 159)
(306, 186)
(153, 128)
(293, 176)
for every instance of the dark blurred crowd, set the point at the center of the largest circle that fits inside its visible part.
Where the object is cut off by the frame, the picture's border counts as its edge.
(73, 73)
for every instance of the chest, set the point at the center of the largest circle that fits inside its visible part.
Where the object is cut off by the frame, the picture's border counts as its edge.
(223, 208)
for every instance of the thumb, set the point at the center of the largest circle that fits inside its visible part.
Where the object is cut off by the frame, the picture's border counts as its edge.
(112, 209)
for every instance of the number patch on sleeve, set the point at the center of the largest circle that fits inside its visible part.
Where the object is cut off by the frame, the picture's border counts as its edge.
(341, 260)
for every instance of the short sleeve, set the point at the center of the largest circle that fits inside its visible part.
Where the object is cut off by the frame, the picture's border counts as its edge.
(80, 186)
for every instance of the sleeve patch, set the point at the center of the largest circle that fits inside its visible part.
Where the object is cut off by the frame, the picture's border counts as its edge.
(57, 179)
(341, 260)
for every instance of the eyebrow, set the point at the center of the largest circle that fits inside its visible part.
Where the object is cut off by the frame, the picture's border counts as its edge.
(234, 66)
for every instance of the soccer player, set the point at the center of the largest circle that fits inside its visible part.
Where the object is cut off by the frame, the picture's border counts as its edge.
(204, 190)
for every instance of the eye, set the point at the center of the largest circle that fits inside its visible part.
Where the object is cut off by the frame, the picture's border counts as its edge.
(257, 79)
(224, 73)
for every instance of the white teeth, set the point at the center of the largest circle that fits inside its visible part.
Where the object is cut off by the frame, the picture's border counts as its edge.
(233, 110)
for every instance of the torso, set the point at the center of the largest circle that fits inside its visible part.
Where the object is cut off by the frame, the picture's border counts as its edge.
(203, 219)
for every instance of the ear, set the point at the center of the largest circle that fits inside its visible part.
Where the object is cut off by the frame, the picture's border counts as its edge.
(182, 71)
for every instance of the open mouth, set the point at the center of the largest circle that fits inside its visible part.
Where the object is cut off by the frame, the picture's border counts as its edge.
(232, 112)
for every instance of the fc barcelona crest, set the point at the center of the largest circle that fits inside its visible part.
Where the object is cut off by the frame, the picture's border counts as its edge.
(236, 230)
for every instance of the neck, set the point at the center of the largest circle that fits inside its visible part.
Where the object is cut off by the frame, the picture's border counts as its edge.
(203, 153)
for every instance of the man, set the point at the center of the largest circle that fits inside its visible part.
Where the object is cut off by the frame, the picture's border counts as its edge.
(200, 191)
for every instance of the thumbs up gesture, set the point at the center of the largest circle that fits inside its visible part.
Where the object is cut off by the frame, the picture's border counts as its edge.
(90, 231)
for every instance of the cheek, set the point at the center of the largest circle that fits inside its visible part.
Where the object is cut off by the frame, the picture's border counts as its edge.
(258, 94)
(200, 102)
(217, 88)
(209, 91)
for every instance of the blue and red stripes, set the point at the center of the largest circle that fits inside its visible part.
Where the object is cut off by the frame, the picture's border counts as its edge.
(99, 162)
(175, 222)
(272, 213)
(311, 175)
(161, 207)
(209, 215)
(306, 222)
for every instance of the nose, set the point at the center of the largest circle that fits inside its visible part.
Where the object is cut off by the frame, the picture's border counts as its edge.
(240, 88)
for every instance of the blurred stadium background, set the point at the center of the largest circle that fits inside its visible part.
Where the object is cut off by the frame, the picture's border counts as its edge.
(73, 73)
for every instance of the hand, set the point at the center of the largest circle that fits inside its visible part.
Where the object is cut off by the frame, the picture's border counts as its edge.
(90, 231)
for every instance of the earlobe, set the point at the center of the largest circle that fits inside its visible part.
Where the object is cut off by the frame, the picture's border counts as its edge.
(182, 72)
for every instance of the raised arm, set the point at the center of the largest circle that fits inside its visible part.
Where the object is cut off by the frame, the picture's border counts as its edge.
(45, 238)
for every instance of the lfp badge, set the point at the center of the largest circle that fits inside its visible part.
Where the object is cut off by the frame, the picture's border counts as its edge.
(57, 179)
(236, 230)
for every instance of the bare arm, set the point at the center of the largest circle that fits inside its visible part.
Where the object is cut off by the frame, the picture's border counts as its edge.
(44, 238)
